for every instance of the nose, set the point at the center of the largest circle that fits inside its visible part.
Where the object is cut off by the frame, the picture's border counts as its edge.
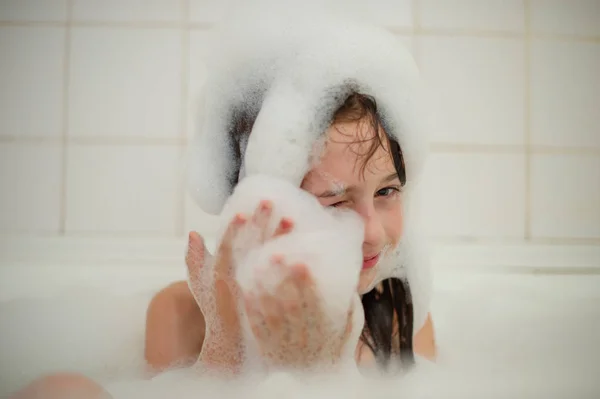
(374, 231)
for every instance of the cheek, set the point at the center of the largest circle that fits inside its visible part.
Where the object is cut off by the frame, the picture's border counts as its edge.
(394, 223)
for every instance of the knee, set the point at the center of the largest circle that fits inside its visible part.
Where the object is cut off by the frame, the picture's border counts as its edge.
(63, 386)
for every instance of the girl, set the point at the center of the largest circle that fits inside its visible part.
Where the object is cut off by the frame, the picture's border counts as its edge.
(361, 167)
(368, 163)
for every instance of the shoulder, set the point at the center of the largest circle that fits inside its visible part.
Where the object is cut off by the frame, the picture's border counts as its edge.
(175, 306)
(424, 340)
(176, 296)
(174, 326)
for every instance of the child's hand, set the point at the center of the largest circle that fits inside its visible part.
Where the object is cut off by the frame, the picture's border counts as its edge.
(290, 326)
(217, 292)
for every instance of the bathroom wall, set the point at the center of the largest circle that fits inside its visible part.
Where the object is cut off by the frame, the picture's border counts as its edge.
(98, 98)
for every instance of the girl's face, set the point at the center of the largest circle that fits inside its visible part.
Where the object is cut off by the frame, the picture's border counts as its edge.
(338, 180)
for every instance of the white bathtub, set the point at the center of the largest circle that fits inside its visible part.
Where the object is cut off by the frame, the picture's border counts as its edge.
(79, 305)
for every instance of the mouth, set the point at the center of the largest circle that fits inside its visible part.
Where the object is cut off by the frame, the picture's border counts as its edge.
(370, 262)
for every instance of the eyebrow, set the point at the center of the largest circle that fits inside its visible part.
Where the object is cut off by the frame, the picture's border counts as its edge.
(342, 191)
(391, 177)
(333, 193)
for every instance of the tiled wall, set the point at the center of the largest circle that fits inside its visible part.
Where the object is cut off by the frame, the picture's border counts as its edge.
(97, 100)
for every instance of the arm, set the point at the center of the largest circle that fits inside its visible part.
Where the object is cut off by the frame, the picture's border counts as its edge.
(174, 329)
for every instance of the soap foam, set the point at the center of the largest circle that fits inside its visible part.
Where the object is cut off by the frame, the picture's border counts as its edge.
(329, 243)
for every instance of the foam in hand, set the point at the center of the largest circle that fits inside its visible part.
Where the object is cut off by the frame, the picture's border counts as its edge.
(328, 243)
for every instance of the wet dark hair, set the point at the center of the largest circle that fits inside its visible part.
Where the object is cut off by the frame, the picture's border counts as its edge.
(388, 308)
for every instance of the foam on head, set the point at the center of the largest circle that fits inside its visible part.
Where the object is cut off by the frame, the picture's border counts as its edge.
(289, 74)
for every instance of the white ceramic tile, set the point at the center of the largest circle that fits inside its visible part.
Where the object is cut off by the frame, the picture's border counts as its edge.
(408, 41)
(499, 15)
(197, 220)
(31, 78)
(565, 196)
(209, 11)
(388, 13)
(565, 94)
(127, 10)
(475, 195)
(476, 88)
(125, 82)
(30, 182)
(197, 79)
(123, 188)
(578, 17)
(33, 10)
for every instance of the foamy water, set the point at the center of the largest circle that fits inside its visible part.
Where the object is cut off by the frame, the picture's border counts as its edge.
(498, 336)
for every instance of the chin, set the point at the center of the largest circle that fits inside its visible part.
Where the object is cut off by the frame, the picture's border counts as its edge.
(365, 281)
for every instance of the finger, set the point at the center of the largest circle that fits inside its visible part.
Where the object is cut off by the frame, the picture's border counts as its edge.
(261, 218)
(226, 246)
(227, 309)
(194, 258)
(285, 226)
(289, 299)
(271, 310)
(287, 292)
(310, 311)
(256, 319)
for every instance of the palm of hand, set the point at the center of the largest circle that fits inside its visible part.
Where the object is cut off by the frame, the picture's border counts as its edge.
(290, 326)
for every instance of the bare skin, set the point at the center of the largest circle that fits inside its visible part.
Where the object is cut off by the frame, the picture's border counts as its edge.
(62, 386)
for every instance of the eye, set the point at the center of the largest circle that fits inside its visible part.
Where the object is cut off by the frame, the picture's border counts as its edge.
(387, 191)
(337, 204)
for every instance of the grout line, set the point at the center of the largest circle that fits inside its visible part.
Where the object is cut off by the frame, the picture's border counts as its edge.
(565, 37)
(527, 120)
(185, 83)
(19, 139)
(546, 271)
(128, 24)
(565, 240)
(116, 140)
(65, 121)
(433, 239)
(116, 24)
(137, 234)
(555, 150)
(416, 29)
(454, 32)
(512, 149)
(436, 147)
(458, 148)
(466, 240)
(28, 24)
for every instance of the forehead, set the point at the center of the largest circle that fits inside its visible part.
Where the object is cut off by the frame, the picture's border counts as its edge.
(345, 152)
